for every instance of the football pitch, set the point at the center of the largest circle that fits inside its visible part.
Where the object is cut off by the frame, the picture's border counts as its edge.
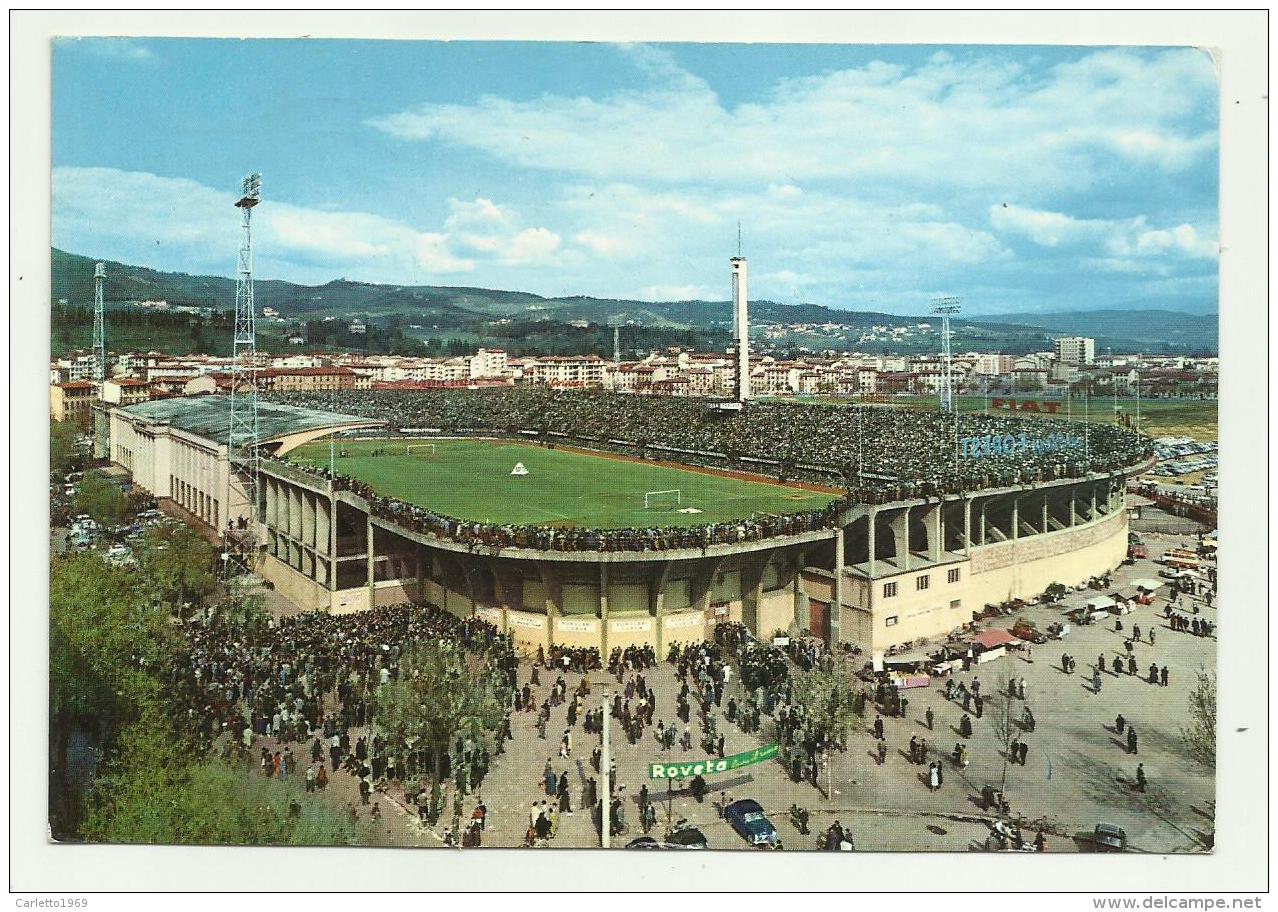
(471, 479)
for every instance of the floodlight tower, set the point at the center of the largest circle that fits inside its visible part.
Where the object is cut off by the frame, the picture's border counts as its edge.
(741, 320)
(99, 324)
(243, 430)
(944, 307)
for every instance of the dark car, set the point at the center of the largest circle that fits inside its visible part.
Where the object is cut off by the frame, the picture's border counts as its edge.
(644, 842)
(688, 838)
(747, 818)
(1109, 838)
(683, 839)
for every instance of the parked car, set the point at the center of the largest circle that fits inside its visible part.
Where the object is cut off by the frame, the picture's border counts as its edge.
(648, 842)
(1109, 838)
(746, 816)
(688, 838)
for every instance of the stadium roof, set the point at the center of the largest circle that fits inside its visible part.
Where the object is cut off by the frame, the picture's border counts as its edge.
(210, 417)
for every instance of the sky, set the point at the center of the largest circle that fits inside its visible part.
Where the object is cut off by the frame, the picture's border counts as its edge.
(862, 177)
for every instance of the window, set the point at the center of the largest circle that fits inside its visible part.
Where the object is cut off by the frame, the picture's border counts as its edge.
(921, 582)
(956, 603)
(953, 575)
(891, 621)
(889, 590)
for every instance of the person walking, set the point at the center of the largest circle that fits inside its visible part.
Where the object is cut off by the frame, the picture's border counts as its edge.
(1120, 724)
(1140, 777)
(882, 752)
(1023, 752)
(565, 801)
(1131, 739)
(914, 749)
(929, 717)
(1163, 676)
(1096, 681)
(933, 777)
(965, 726)
(878, 727)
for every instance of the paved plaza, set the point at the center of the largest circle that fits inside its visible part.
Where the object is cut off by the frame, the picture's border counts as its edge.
(1077, 772)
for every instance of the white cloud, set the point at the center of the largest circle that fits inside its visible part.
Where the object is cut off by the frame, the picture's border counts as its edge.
(981, 122)
(96, 207)
(531, 246)
(1117, 237)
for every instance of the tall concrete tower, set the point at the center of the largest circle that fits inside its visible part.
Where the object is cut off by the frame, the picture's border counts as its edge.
(741, 324)
(99, 326)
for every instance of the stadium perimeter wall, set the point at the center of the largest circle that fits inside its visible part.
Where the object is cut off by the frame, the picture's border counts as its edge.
(993, 574)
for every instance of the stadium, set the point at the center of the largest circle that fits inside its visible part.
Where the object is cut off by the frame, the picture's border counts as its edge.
(590, 519)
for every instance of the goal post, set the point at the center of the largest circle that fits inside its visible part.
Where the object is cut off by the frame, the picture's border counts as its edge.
(673, 496)
(420, 449)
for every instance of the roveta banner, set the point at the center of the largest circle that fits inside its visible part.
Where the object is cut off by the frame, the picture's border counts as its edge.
(690, 768)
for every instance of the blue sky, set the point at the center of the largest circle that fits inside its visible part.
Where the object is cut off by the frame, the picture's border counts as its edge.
(865, 177)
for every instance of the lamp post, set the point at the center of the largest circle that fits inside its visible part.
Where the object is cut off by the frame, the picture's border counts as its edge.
(605, 771)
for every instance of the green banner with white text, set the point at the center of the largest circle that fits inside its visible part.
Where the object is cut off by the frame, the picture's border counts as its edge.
(688, 768)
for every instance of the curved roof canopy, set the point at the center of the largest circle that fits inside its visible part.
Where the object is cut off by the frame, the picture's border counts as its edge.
(210, 417)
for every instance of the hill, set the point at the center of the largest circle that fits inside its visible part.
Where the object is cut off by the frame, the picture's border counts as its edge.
(435, 311)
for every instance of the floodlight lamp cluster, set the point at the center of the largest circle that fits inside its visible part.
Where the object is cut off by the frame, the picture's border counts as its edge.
(251, 193)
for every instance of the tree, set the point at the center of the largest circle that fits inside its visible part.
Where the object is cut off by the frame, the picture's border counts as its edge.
(176, 564)
(158, 790)
(440, 696)
(102, 499)
(1200, 735)
(105, 647)
(827, 694)
(1003, 718)
(65, 453)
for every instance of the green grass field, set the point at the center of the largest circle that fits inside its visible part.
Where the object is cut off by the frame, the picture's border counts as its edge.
(470, 479)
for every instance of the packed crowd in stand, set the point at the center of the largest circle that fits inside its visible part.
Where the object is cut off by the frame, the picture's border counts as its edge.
(905, 452)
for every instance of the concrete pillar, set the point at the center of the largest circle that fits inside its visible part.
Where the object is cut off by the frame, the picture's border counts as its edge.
(372, 575)
(550, 583)
(751, 594)
(981, 524)
(323, 520)
(657, 599)
(900, 527)
(603, 612)
(295, 513)
(271, 505)
(936, 533)
(332, 541)
(802, 607)
(281, 507)
(1073, 510)
(836, 609)
(1016, 517)
(308, 518)
(1092, 516)
(1044, 528)
(967, 526)
(873, 543)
